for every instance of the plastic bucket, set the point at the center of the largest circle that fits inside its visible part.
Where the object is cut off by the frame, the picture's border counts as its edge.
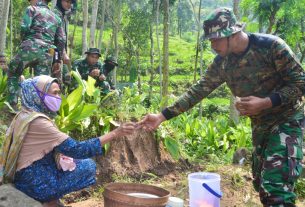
(204, 189)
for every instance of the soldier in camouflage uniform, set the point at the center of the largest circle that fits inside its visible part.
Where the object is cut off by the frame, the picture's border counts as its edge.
(64, 9)
(264, 72)
(108, 67)
(41, 32)
(91, 66)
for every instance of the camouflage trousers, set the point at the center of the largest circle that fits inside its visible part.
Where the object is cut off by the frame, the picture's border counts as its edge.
(64, 78)
(37, 58)
(277, 163)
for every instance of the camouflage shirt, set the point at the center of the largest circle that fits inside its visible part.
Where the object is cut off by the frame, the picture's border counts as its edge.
(267, 68)
(109, 76)
(42, 27)
(84, 68)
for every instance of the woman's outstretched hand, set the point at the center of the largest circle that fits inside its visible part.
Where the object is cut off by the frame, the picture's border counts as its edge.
(123, 130)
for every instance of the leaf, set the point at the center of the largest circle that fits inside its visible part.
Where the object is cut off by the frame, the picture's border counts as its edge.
(69, 127)
(187, 129)
(64, 107)
(90, 86)
(101, 122)
(78, 78)
(74, 114)
(75, 98)
(87, 111)
(172, 146)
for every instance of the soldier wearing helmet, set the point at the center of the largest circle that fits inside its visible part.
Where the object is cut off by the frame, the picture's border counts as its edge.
(262, 70)
(91, 66)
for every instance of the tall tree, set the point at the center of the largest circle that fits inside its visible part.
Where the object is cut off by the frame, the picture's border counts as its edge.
(117, 10)
(95, 4)
(3, 22)
(158, 45)
(235, 8)
(152, 49)
(265, 12)
(165, 68)
(136, 33)
(102, 23)
(184, 16)
(198, 37)
(85, 25)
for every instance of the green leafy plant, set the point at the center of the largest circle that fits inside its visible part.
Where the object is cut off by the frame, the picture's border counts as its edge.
(74, 108)
(3, 85)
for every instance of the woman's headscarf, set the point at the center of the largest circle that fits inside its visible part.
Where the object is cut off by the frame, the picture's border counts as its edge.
(31, 93)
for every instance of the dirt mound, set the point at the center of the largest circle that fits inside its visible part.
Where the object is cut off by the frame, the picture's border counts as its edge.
(133, 155)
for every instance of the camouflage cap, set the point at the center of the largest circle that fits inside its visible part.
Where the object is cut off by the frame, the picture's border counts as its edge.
(111, 59)
(221, 23)
(93, 51)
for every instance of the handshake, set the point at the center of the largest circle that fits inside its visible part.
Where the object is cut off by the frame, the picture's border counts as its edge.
(149, 123)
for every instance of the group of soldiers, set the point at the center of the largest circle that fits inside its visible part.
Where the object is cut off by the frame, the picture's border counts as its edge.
(43, 49)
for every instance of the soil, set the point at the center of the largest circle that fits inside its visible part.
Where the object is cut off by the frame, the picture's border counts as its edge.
(134, 155)
(236, 186)
(141, 159)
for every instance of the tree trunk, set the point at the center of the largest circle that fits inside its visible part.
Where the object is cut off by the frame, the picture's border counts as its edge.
(139, 71)
(299, 44)
(159, 49)
(85, 25)
(11, 29)
(271, 21)
(165, 54)
(72, 36)
(116, 29)
(152, 59)
(93, 22)
(100, 39)
(235, 8)
(198, 41)
(134, 155)
(260, 25)
(3, 21)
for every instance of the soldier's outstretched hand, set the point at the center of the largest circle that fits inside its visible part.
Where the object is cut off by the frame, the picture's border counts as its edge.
(151, 121)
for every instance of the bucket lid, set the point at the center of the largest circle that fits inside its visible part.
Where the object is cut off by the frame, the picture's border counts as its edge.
(175, 202)
(204, 176)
